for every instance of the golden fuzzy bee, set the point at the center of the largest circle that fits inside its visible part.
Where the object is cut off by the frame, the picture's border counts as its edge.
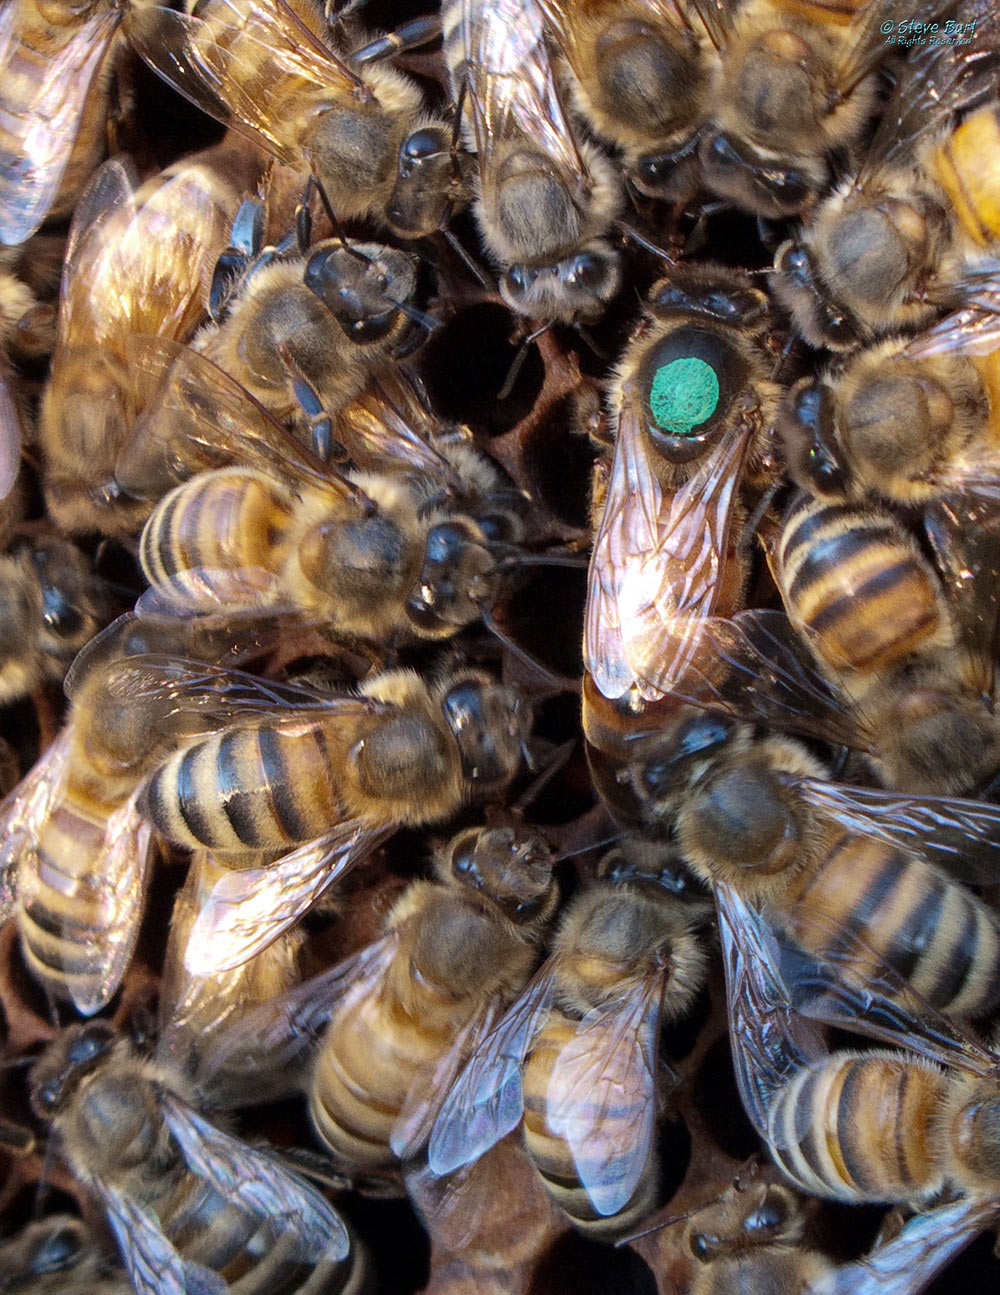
(387, 555)
(57, 1256)
(546, 197)
(906, 1125)
(835, 868)
(190, 1207)
(50, 606)
(270, 69)
(577, 1056)
(896, 243)
(641, 75)
(54, 69)
(693, 405)
(792, 95)
(322, 780)
(136, 263)
(402, 1015)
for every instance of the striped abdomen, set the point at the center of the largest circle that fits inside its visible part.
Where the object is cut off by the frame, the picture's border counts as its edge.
(930, 929)
(374, 1053)
(967, 168)
(223, 522)
(551, 1153)
(861, 1127)
(858, 586)
(247, 789)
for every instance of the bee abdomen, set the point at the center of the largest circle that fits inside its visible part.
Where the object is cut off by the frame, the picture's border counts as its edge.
(860, 1128)
(928, 928)
(972, 187)
(858, 585)
(551, 1153)
(246, 789)
(221, 521)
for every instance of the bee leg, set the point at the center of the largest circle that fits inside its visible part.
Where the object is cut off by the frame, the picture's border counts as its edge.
(318, 421)
(410, 35)
(247, 240)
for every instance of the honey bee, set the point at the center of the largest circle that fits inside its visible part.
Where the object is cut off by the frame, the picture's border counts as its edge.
(830, 865)
(888, 249)
(894, 425)
(546, 197)
(402, 1015)
(641, 74)
(751, 1240)
(137, 262)
(269, 70)
(694, 404)
(577, 1056)
(54, 68)
(336, 772)
(75, 854)
(191, 1207)
(56, 1256)
(793, 93)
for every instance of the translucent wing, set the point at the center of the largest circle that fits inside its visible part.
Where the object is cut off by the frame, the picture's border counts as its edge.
(911, 1260)
(770, 1041)
(249, 908)
(656, 567)
(423, 1102)
(602, 1095)
(111, 892)
(962, 836)
(512, 86)
(232, 591)
(225, 65)
(11, 435)
(42, 100)
(210, 419)
(386, 428)
(717, 18)
(964, 534)
(487, 1100)
(24, 811)
(258, 1183)
(279, 1036)
(154, 1267)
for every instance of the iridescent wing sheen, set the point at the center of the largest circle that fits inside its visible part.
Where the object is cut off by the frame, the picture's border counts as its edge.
(249, 908)
(153, 1264)
(252, 1180)
(25, 810)
(656, 567)
(511, 83)
(601, 1094)
(42, 101)
(487, 1100)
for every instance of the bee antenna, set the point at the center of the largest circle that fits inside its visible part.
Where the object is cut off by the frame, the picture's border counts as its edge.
(518, 363)
(560, 684)
(475, 269)
(631, 232)
(514, 559)
(335, 224)
(585, 849)
(537, 785)
(427, 322)
(658, 1227)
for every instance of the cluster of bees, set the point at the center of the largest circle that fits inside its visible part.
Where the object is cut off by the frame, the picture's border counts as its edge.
(307, 580)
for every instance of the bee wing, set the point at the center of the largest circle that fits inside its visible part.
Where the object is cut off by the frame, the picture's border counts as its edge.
(755, 667)
(601, 1094)
(221, 419)
(487, 1100)
(423, 1102)
(105, 209)
(249, 908)
(41, 127)
(866, 48)
(717, 18)
(771, 1042)
(257, 1182)
(280, 1035)
(964, 534)
(112, 894)
(386, 427)
(962, 836)
(220, 64)
(907, 1264)
(23, 812)
(512, 87)
(154, 1267)
(655, 570)
(852, 986)
(235, 591)
(11, 434)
